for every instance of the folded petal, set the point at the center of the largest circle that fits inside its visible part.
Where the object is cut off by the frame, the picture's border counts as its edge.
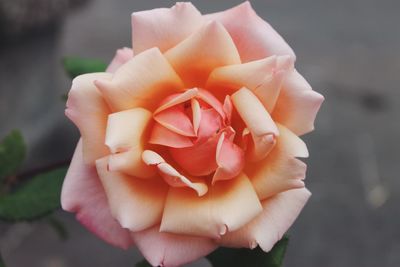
(279, 213)
(162, 136)
(127, 133)
(228, 206)
(122, 56)
(137, 204)
(143, 81)
(297, 105)
(171, 175)
(258, 122)
(169, 250)
(88, 110)
(83, 194)
(280, 170)
(176, 120)
(195, 57)
(263, 77)
(164, 27)
(177, 99)
(254, 38)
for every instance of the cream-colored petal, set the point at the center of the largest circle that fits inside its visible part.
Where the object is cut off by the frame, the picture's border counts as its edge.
(88, 110)
(258, 122)
(143, 81)
(195, 57)
(164, 27)
(137, 204)
(280, 170)
(263, 77)
(177, 99)
(127, 132)
(196, 114)
(171, 175)
(122, 56)
(279, 213)
(227, 207)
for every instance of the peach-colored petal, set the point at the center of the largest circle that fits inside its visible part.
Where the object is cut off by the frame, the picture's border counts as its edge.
(229, 158)
(171, 175)
(227, 207)
(195, 57)
(297, 105)
(279, 213)
(127, 132)
(254, 38)
(258, 122)
(83, 194)
(196, 114)
(162, 136)
(87, 109)
(176, 120)
(177, 99)
(143, 81)
(164, 27)
(280, 170)
(169, 250)
(136, 204)
(263, 77)
(211, 100)
(210, 123)
(228, 108)
(121, 57)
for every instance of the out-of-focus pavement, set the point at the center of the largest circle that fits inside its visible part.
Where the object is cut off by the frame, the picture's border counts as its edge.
(348, 50)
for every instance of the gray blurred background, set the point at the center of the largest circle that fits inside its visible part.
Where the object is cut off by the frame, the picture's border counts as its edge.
(347, 49)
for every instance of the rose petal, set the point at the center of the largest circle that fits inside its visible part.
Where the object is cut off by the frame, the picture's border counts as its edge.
(196, 114)
(227, 207)
(211, 100)
(136, 204)
(280, 170)
(258, 122)
(254, 38)
(279, 213)
(162, 136)
(195, 57)
(171, 175)
(297, 105)
(122, 56)
(177, 99)
(127, 132)
(143, 82)
(87, 109)
(210, 123)
(83, 194)
(263, 77)
(169, 250)
(164, 27)
(176, 120)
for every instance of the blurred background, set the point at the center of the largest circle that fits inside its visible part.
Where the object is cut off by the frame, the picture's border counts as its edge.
(347, 49)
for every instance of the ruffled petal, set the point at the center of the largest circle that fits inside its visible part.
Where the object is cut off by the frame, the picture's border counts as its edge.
(297, 105)
(83, 194)
(280, 170)
(122, 56)
(171, 175)
(258, 122)
(169, 250)
(279, 213)
(143, 81)
(136, 204)
(164, 27)
(254, 38)
(195, 57)
(228, 206)
(127, 132)
(263, 77)
(88, 110)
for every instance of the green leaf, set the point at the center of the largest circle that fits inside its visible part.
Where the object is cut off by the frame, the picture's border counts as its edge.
(36, 198)
(58, 227)
(12, 153)
(250, 258)
(75, 66)
(143, 263)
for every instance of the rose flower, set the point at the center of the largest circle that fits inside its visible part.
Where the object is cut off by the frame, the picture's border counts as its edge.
(190, 141)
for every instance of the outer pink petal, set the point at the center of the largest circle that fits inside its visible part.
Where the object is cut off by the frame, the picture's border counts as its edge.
(278, 215)
(254, 38)
(121, 57)
(169, 250)
(83, 194)
(297, 105)
(88, 110)
(164, 27)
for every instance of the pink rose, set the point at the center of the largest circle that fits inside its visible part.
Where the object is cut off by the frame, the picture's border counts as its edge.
(190, 139)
